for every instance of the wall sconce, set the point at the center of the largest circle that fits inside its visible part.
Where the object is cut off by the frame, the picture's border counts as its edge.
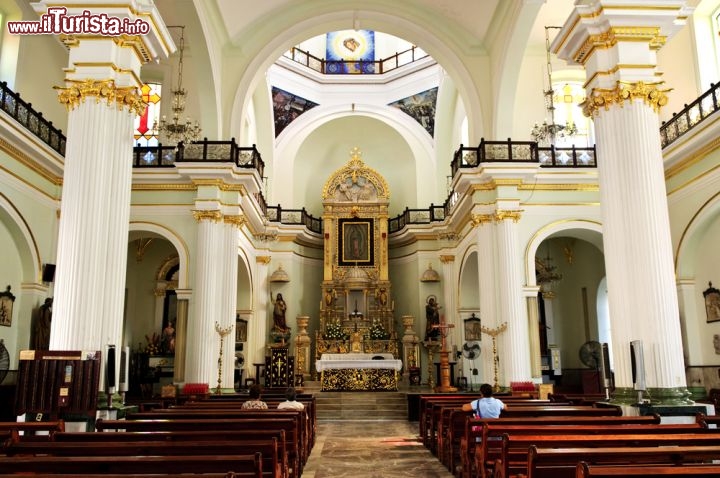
(430, 275)
(279, 275)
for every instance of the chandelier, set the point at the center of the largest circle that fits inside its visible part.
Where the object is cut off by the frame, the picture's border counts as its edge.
(548, 132)
(175, 130)
(546, 274)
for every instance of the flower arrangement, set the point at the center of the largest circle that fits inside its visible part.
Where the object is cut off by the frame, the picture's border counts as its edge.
(335, 332)
(153, 344)
(378, 332)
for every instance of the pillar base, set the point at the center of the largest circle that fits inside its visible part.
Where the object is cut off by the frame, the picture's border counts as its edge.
(443, 389)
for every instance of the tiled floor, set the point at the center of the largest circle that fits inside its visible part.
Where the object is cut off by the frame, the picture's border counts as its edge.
(371, 449)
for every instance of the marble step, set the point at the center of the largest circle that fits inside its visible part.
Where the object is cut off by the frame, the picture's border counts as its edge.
(361, 406)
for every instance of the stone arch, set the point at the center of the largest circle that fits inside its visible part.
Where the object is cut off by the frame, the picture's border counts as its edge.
(379, 21)
(24, 239)
(585, 229)
(706, 215)
(175, 240)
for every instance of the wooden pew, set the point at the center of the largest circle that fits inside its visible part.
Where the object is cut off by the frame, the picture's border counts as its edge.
(473, 430)
(288, 424)
(268, 449)
(135, 475)
(303, 429)
(515, 448)
(30, 430)
(562, 462)
(249, 465)
(686, 471)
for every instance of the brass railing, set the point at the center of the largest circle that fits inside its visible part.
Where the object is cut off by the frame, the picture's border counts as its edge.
(23, 113)
(690, 116)
(350, 67)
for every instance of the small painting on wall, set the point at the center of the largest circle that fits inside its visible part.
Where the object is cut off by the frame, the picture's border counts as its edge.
(6, 307)
(712, 303)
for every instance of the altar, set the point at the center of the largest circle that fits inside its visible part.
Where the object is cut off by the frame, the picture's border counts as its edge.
(358, 372)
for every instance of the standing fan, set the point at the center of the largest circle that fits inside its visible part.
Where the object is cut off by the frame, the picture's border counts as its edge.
(4, 360)
(471, 351)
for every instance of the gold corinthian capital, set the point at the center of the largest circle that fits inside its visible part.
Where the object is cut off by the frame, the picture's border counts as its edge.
(649, 93)
(103, 90)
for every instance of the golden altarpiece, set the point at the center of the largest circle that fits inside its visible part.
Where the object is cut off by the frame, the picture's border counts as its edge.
(356, 311)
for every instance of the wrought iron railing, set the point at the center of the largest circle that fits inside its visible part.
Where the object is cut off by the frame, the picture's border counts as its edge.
(211, 151)
(376, 67)
(23, 113)
(690, 116)
(524, 152)
(294, 217)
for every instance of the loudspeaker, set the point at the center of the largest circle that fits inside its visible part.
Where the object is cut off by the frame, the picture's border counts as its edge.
(638, 364)
(124, 366)
(48, 273)
(110, 369)
(605, 371)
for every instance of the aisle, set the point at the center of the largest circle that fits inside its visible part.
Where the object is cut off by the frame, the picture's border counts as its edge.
(371, 449)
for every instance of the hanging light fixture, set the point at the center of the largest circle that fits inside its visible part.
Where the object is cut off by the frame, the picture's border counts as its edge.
(548, 132)
(546, 274)
(175, 130)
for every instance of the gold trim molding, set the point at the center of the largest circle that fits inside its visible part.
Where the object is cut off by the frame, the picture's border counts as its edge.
(480, 219)
(126, 96)
(503, 214)
(237, 220)
(212, 215)
(263, 260)
(446, 259)
(611, 37)
(650, 93)
(354, 169)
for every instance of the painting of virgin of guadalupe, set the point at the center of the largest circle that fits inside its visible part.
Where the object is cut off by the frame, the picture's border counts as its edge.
(356, 242)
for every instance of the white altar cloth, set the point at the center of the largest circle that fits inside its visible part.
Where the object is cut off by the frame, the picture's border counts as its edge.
(356, 361)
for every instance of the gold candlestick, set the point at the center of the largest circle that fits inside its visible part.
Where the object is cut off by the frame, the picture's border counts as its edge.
(494, 333)
(223, 331)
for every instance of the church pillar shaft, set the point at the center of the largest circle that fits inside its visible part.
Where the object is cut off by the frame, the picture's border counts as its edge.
(181, 330)
(624, 95)
(257, 328)
(229, 300)
(486, 285)
(450, 294)
(102, 98)
(514, 344)
(202, 340)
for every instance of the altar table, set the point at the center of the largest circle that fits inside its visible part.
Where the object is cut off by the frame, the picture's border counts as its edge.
(355, 372)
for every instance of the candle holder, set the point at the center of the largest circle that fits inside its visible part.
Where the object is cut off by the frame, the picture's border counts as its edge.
(223, 331)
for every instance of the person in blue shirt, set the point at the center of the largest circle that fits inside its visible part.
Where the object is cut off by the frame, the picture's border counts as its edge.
(487, 406)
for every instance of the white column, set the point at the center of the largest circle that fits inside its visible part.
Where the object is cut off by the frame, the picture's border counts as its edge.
(533, 315)
(181, 333)
(257, 328)
(689, 320)
(624, 95)
(485, 224)
(202, 340)
(513, 344)
(102, 99)
(229, 297)
(450, 295)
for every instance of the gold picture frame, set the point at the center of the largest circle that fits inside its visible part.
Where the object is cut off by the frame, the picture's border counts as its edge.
(712, 303)
(7, 299)
(356, 242)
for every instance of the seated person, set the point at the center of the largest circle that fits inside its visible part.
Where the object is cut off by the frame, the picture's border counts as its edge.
(254, 402)
(487, 406)
(290, 402)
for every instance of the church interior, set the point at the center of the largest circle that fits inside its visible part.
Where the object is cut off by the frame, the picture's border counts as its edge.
(444, 193)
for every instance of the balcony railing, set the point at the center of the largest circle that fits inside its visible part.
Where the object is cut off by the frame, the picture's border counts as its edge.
(23, 113)
(210, 151)
(522, 152)
(350, 67)
(294, 217)
(691, 115)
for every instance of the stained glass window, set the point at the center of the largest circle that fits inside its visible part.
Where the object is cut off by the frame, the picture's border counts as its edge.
(145, 134)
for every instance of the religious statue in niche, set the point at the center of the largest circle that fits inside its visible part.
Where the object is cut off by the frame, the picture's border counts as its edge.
(432, 316)
(279, 309)
(356, 189)
(41, 331)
